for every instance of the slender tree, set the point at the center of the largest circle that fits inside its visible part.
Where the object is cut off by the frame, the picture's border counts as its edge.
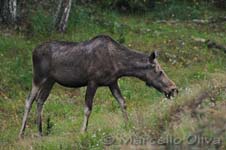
(62, 15)
(220, 3)
(8, 11)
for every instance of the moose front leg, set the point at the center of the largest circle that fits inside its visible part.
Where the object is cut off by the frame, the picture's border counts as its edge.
(118, 96)
(90, 93)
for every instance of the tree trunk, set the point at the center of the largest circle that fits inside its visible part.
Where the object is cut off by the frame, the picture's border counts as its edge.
(8, 11)
(151, 3)
(62, 15)
(220, 3)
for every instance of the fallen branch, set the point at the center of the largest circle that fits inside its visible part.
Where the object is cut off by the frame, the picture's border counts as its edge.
(210, 44)
(209, 21)
(212, 20)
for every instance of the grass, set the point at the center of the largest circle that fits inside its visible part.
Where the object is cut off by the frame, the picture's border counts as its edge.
(193, 67)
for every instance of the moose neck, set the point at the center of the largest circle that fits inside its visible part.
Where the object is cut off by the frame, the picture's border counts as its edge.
(134, 64)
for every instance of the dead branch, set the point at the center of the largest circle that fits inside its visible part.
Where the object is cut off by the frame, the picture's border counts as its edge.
(210, 44)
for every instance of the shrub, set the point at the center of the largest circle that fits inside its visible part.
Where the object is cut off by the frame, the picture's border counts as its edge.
(220, 3)
(41, 23)
(124, 5)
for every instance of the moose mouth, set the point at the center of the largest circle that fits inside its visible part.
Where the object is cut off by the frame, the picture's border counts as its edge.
(168, 95)
(171, 94)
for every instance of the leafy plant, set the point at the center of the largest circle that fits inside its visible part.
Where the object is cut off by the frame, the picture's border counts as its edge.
(41, 23)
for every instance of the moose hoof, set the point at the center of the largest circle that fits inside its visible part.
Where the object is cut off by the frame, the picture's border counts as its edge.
(21, 136)
(83, 130)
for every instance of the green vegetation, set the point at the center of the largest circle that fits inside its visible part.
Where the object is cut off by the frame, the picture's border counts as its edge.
(194, 68)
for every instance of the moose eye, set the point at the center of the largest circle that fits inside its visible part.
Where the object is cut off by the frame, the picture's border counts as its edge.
(160, 73)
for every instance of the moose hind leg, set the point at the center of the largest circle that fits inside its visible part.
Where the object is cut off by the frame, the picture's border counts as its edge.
(29, 101)
(90, 92)
(41, 98)
(118, 96)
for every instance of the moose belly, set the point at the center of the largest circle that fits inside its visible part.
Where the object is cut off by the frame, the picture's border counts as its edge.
(69, 78)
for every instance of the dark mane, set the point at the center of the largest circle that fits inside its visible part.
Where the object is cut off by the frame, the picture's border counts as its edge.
(66, 43)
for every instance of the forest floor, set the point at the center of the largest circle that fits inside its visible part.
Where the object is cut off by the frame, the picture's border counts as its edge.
(195, 118)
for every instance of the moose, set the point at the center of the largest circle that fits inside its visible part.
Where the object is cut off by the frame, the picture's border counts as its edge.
(100, 61)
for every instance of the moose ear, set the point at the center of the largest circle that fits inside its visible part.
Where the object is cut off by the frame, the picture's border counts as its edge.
(153, 56)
